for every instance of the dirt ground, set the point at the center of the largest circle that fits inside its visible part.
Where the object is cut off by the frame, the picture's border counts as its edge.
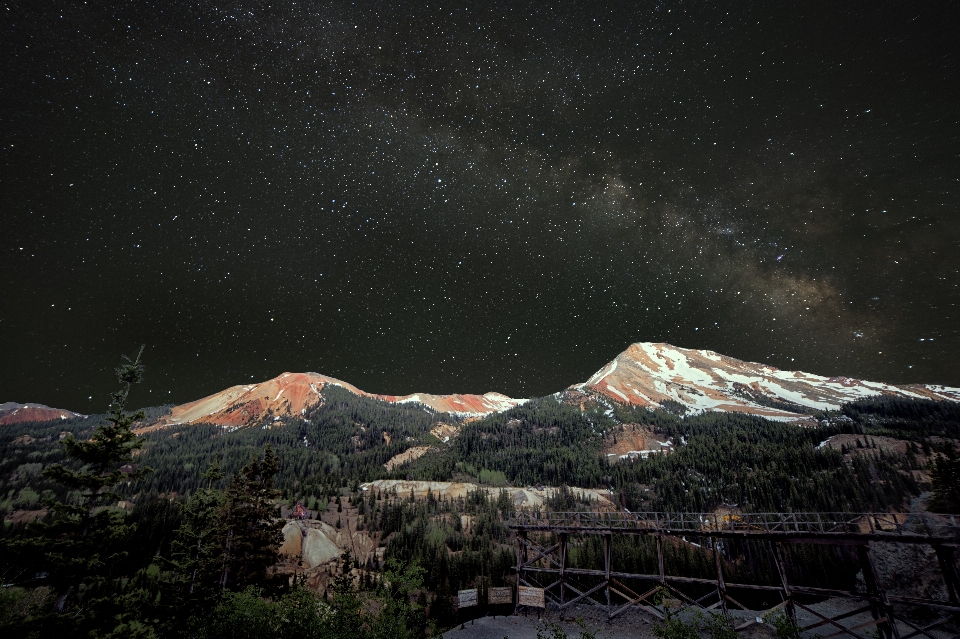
(629, 625)
(638, 624)
(632, 437)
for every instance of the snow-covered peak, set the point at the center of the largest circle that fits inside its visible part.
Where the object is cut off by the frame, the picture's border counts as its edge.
(648, 373)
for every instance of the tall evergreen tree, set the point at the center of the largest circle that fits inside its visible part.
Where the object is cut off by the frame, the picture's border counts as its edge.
(197, 549)
(251, 517)
(80, 533)
(77, 551)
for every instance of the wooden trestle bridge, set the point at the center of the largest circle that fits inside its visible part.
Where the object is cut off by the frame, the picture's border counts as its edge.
(546, 566)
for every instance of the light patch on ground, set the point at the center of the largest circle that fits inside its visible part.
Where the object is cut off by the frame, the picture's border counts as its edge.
(633, 440)
(529, 497)
(445, 432)
(406, 456)
(25, 516)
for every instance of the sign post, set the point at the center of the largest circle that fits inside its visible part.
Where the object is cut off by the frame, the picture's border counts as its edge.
(467, 598)
(528, 596)
(497, 596)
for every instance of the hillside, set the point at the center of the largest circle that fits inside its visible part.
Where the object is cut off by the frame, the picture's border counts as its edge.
(14, 413)
(292, 394)
(649, 375)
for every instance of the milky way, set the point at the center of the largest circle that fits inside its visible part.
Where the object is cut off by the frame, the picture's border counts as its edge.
(472, 197)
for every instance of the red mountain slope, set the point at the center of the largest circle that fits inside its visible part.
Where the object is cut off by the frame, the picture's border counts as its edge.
(292, 393)
(14, 413)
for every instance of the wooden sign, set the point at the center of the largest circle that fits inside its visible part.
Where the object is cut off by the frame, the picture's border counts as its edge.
(527, 596)
(467, 598)
(500, 595)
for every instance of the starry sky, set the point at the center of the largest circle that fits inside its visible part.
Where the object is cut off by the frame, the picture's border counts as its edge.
(473, 196)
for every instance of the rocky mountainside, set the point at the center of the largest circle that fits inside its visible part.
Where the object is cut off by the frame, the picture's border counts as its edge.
(291, 394)
(648, 374)
(14, 413)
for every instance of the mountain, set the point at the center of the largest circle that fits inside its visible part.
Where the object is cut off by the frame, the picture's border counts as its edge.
(14, 413)
(646, 374)
(656, 375)
(292, 394)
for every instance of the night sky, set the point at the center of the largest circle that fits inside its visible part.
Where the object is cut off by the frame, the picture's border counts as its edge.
(472, 197)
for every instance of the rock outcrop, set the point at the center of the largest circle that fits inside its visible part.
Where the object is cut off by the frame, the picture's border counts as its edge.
(315, 543)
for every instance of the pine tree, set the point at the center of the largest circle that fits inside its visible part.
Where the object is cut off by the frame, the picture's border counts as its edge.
(76, 553)
(251, 518)
(198, 546)
(79, 536)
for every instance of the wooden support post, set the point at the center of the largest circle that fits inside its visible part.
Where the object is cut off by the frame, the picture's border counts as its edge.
(948, 568)
(563, 568)
(778, 557)
(521, 549)
(606, 568)
(663, 577)
(521, 556)
(883, 609)
(721, 585)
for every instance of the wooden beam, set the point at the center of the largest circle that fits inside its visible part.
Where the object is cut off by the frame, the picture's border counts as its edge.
(786, 537)
(521, 550)
(544, 553)
(682, 595)
(563, 567)
(925, 629)
(851, 613)
(862, 626)
(635, 601)
(781, 563)
(656, 578)
(749, 623)
(948, 568)
(721, 586)
(928, 603)
(735, 602)
(660, 560)
(879, 607)
(830, 621)
(607, 543)
(570, 586)
(582, 595)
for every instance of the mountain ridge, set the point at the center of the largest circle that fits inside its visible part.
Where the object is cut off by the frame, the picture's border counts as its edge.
(291, 394)
(14, 413)
(654, 375)
(648, 374)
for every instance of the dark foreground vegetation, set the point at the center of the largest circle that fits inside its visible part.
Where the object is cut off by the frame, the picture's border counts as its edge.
(177, 533)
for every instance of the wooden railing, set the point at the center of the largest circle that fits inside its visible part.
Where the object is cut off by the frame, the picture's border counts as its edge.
(542, 541)
(904, 524)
